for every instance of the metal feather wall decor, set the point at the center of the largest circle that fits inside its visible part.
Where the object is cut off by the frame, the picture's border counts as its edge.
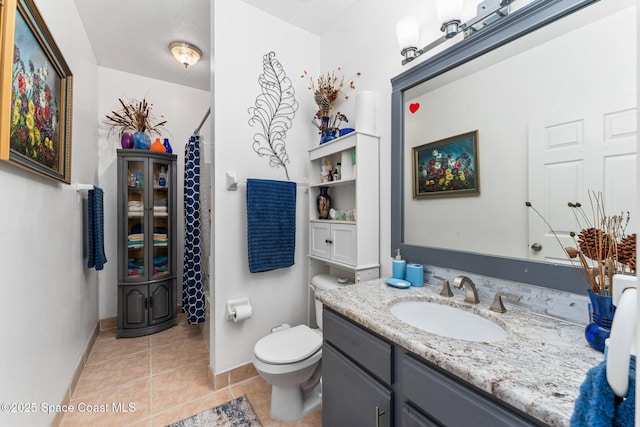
(273, 112)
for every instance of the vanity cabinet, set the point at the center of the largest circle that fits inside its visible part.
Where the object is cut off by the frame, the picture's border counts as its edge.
(349, 242)
(147, 295)
(367, 380)
(356, 375)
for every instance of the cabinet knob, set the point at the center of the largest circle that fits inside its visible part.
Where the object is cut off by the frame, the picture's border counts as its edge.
(328, 241)
(536, 247)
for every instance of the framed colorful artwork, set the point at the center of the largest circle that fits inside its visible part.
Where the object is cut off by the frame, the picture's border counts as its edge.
(35, 94)
(448, 167)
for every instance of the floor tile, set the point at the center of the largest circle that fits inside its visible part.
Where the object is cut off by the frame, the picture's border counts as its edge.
(171, 356)
(111, 348)
(114, 372)
(191, 408)
(165, 378)
(118, 405)
(179, 386)
(173, 336)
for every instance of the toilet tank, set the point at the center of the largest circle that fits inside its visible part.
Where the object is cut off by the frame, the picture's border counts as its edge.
(324, 282)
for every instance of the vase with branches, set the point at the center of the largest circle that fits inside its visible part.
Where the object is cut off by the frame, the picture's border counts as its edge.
(602, 249)
(602, 246)
(135, 117)
(330, 90)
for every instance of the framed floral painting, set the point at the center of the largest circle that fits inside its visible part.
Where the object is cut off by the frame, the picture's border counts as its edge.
(448, 167)
(35, 94)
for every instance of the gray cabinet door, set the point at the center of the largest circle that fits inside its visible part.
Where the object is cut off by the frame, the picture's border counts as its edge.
(160, 297)
(134, 306)
(351, 397)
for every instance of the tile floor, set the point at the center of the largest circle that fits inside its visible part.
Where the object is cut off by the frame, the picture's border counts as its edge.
(164, 377)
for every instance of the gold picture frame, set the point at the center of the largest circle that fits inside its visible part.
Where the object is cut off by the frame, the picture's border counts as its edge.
(35, 94)
(447, 168)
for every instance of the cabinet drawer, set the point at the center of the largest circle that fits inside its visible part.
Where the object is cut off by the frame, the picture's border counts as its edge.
(413, 418)
(369, 351)
(450, 402)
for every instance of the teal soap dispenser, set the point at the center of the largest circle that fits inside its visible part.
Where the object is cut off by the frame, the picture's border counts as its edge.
(399, 267)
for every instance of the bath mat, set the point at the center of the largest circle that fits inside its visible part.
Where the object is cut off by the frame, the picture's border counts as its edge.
(235, 413)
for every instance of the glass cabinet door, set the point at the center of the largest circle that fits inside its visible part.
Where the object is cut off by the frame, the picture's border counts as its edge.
(135, 219)
(160, 216)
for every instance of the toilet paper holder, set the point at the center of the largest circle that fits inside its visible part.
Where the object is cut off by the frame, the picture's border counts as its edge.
(234, 304)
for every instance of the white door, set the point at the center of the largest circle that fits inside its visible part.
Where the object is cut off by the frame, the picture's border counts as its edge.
(572, 154)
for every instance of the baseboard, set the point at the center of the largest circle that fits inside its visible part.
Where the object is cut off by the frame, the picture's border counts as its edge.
(108, 323)
(76, 373)
(233, 376)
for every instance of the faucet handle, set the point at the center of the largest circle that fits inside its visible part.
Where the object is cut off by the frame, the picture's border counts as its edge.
(497, 305)
(446, 289)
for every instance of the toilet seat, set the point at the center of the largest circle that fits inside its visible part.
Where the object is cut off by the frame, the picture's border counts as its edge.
(288, 345)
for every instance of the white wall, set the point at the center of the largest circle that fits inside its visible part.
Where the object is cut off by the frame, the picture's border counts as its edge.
(183, 108)
(367, 42)
(50, 298)
(243, 35)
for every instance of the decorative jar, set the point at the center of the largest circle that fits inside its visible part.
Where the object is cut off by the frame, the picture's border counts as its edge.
(323, 203)
(141, 141)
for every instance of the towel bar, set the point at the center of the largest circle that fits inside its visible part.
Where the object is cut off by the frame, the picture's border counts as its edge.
(233, 181)
(82, 187)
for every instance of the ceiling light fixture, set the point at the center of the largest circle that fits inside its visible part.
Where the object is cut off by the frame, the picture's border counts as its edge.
(185, 53)
(449, 11)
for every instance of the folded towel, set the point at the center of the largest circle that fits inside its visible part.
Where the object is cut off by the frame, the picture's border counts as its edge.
(271, 224)
(95, 229)
(598, 406)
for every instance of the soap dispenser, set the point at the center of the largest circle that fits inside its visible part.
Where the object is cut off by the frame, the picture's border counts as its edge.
(399, 266)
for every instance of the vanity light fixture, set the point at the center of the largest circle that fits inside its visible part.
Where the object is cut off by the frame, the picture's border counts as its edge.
(449, 12)
(185, 53)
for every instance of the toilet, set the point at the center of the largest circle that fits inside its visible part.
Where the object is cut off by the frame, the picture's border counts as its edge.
(289, 360)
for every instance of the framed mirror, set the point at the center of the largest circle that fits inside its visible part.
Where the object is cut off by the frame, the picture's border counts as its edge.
(500, 82)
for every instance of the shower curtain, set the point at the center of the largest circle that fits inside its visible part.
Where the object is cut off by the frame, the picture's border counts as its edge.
(192, 292)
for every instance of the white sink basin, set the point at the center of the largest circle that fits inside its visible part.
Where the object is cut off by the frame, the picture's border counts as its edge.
(447, 321)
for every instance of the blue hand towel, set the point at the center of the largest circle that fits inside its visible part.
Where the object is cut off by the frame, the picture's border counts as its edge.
(95, 229)
(598, 406)
(271, 224)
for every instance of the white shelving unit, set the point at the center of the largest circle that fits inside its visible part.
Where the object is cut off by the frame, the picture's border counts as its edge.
(342, 248)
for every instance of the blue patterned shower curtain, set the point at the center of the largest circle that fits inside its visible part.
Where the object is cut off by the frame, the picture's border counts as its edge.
(192, 295)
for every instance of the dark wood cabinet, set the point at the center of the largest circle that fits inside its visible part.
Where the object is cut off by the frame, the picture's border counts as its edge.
(147, 300)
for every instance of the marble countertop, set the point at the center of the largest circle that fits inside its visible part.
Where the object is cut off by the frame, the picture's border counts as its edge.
(538, 368)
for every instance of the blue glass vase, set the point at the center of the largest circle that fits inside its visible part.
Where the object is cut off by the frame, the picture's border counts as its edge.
(601, 310)
(167, 146)
(328, 135)
(141, 141)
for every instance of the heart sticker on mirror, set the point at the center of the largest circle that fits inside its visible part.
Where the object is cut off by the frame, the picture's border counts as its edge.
(414, 107)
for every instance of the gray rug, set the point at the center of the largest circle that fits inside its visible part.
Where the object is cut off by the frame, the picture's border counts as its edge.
(235, 413)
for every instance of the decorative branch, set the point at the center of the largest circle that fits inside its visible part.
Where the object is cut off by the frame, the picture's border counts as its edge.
(274, 111)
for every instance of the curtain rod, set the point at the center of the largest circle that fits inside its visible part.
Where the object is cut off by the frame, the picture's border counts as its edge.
(197, 131)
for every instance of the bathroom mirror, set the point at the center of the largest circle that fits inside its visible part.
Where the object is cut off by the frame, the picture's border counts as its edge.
(501, 82)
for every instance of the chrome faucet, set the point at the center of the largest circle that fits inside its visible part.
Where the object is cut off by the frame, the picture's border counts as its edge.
(470, 291)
